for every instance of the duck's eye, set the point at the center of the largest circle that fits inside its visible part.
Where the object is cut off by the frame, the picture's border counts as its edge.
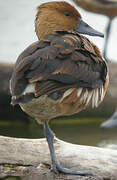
(68, 14)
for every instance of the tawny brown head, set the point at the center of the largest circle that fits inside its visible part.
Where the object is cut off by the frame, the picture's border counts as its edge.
(60, 16)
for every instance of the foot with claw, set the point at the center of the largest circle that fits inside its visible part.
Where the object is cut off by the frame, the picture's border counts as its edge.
(55, 163)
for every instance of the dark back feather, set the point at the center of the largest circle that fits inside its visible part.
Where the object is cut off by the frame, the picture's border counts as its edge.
(58, 62)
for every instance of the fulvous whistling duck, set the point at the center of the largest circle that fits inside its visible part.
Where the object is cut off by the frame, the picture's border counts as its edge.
(104, 7)
(62, 73)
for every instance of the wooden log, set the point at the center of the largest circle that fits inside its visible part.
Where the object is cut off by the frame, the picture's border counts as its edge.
(30, 159)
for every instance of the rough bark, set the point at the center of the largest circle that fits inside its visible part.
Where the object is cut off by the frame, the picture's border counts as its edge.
(30, 159)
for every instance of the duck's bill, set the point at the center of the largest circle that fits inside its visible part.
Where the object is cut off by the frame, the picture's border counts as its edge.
(84, 28)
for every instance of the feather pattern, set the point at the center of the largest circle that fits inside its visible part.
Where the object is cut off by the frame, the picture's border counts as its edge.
(79, 91)
(89, 97)
(67, 93)
(96, 98)
(65, 67)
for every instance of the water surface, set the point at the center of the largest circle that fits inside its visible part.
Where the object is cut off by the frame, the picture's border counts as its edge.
(79, 131)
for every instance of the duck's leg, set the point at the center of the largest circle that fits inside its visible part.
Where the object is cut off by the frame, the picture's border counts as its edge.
(108, 29)
(55, 163)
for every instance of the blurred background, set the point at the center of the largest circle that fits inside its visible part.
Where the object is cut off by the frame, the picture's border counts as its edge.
(16, 33)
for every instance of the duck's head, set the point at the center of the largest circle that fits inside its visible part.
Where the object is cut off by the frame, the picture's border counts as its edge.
(61, 16)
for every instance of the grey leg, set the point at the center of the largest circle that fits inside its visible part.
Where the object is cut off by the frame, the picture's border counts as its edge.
(108, 29)
(55, 163)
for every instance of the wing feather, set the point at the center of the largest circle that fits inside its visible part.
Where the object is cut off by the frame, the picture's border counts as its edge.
(56, 64)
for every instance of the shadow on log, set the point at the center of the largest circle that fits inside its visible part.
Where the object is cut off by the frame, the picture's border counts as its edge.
(30, 160)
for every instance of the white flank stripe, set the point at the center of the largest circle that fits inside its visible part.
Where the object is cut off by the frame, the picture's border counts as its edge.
(102, 93)
(29, 89)
(79, 91)
(67, 93)
(93, 99)
(82, 99)
(96, 98)
(85, 94)
(89, 97)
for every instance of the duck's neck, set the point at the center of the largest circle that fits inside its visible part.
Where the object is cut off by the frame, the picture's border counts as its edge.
(44, 25)
(42, 29)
